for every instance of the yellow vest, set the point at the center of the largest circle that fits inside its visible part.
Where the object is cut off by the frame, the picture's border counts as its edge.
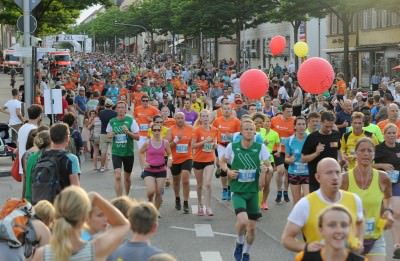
(311, 229)
(372, 198)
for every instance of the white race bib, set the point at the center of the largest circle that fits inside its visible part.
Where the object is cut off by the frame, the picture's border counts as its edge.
(120, 138)
(182, 148)
(144, 127)
(394, 176)
(300, 168)
(208, 147)
(226, 137)
(369, 226)
(247, 175)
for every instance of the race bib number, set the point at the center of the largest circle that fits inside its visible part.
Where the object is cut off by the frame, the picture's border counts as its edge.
(144, 127)
(300, 168)
(181, 148)
(247, 175)
(188, 122)
(369, 226)
(208, 147)
(226, 137)
(394, 175)
(120, 138)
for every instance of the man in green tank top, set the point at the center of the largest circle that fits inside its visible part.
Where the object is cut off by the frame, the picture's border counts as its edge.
(249, 164)
(123, 130)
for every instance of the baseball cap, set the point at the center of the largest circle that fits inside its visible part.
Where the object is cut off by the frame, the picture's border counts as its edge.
(81, 88)
(108, 103)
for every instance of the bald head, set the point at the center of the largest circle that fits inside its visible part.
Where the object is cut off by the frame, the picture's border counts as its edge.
(329, 175)
(325, 162)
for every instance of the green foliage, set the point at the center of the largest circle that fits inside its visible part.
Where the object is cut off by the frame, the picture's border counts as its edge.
(53, 16)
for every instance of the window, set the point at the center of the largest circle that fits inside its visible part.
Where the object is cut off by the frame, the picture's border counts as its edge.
(334, 28)
(258, 48)
(374, 19)
(367, 19)
(384, 18)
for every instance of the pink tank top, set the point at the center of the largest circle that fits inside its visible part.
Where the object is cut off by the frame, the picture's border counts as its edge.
(155, 157)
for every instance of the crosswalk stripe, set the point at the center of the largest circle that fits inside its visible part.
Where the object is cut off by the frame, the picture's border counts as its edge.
(210, 256)
(203, 230)
(192, 194)
(192, 182)
(195, 209)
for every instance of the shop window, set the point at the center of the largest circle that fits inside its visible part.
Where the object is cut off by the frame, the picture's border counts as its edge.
(258, 48)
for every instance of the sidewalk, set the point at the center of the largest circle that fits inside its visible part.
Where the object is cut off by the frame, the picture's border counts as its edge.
(5, 166)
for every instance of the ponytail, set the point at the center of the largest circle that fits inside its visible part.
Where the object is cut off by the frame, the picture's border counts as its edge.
(61, 241)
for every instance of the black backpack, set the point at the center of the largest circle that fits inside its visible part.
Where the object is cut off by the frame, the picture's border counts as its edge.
(46, 176)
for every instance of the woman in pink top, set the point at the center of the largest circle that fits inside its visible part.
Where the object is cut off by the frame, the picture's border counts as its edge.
(152, 158)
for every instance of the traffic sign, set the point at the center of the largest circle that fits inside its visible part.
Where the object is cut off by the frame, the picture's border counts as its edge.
(32, 4)
(32, 23)
(23, 52)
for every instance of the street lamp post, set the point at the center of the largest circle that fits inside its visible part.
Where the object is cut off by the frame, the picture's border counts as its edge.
(135, 25)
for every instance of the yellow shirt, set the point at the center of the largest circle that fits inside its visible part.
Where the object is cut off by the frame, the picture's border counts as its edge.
(348, 145)
(164, 131)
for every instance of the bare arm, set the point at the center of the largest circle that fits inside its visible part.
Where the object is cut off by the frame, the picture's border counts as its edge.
(107, 242)
(19, 115)
(345, 181)
(74, 179)
(289, 240)
(142, 154)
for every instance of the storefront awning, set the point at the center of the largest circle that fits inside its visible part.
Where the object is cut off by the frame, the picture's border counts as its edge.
(177, 43)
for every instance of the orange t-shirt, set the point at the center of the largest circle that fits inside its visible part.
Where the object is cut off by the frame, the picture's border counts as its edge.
(226, 129)
(285, 128)
(169, 122)
(181, 151)
(137, 98)
(382, 125)
(204, 153)
(98, 87)
(144, 116)
(203, 84)
(70, 86)
(123, 92)
(341, 87)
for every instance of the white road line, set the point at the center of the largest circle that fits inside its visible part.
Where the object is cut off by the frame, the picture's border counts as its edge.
(192, 182)
(210, 256)
(195, 209)
(215, 233)
(193, 194)
(203, 230)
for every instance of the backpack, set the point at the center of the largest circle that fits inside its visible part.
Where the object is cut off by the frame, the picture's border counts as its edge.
(75, 142)
(46, 176)
(16, 226)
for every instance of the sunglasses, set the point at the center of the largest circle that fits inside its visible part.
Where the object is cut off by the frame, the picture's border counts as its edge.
(156, 130)
(159, 122)
(145, 100)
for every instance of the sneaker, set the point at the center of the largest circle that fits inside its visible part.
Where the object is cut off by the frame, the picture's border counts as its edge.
(246, 257)
(278, 197)
(102, 169)
(229, 195)
(167, 183)
(209, 212)
(142, 175)
(186, 207)
(224, 195)
(178, 204)
(238, 252)
(264, 205)
(286, 196)
(200, 211)
(218, 173)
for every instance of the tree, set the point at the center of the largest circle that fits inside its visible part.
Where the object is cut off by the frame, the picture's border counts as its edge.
(53, 16)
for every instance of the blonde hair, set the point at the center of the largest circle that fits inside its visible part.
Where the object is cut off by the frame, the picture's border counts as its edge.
(42, 139)
(388, 126)
(123, 204)
(334, 207)
(72, 207)
(45, 212)
(162, 257)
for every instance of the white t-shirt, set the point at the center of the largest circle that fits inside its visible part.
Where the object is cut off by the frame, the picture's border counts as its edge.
(282, 93)
(22, 139)
(12, 106)
(230, 154)
(300, 212)
(236, 85)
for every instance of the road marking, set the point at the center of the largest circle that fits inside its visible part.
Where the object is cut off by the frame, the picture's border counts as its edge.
(203, 230)
(211, 256)
(192, 182)
(192, 194)
(195, 209)
(215, 233)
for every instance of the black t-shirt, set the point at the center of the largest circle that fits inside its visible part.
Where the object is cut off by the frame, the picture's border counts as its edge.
(105, 116)
(385, 154)
(341, 117)
(332, 145)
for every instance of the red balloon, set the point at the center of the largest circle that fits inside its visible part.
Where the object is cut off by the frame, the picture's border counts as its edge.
(254, 83)
(277, 45)
(315, 75)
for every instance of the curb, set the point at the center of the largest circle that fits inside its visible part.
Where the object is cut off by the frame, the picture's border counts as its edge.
(5, 173)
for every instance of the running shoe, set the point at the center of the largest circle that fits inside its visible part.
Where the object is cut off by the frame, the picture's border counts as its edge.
(278, 197)
(218, 173)
(246, 257)
(209, 212)
(238, 252)
(229, 195)
(264, 205)
(142, 175)
(186, 207)
(286, 196)
(224, 194)
(178, 204)
(200, 211)
(102, 169)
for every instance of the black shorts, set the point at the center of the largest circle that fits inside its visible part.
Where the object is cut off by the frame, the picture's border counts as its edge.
(201, 165)
(160, 174)
(176, 169)
(126, 160)
(280, 159)
(298, 179)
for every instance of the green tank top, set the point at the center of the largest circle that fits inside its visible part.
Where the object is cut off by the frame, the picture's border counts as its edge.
(122, 144)
(372, 198)
(247, 163)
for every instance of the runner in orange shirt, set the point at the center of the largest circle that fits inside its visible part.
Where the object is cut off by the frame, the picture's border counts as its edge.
(226, 125)
(204, 144)
(137, 95)
(144, 116)
(393, 112)
(180, 138)
(284, 125)
(167, 122)
(203, 84)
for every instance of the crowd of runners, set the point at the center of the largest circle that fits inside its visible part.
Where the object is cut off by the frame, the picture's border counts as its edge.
(333, 156)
